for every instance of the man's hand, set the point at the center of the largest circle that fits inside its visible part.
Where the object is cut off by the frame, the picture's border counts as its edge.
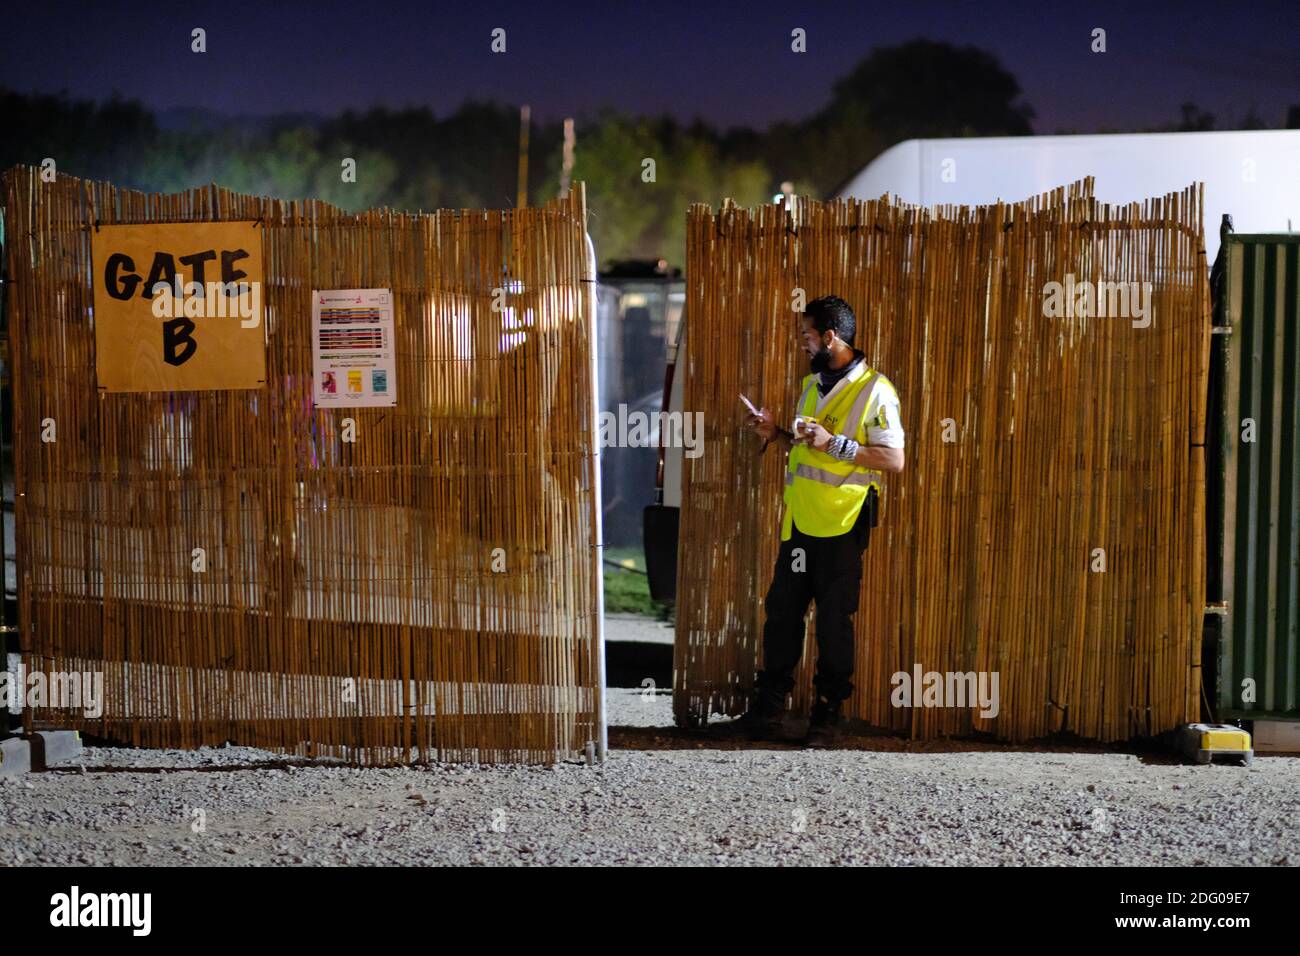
(812, 433)
(764, 424)
(875, 457)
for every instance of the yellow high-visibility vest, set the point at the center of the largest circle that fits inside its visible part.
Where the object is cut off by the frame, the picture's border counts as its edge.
(824, 495)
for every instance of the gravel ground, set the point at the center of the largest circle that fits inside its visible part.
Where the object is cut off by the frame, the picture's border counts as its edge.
(673, 800)
(637, 627)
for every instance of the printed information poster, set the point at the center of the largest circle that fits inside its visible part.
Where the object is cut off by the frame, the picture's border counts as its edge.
(354, 365)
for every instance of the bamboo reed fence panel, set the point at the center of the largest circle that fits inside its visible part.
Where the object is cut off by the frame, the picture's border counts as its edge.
(352, 605)
(1068, 434)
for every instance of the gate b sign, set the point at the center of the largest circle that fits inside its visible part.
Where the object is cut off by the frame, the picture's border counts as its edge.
(178, 306)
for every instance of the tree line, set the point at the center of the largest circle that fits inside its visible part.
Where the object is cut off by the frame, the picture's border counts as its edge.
(410, 159)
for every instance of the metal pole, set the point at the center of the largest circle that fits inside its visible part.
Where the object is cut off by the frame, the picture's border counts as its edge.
(566, 166)
(602, 743)
(9, 723)
(522, 202)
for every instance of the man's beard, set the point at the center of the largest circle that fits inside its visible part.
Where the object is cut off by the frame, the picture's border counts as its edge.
(822, 360)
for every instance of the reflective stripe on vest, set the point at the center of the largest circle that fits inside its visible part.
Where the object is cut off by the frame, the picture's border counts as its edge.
(803, 399)
(813, 473)
(859, 409)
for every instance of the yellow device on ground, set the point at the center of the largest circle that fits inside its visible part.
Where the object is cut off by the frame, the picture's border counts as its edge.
(1204, 742)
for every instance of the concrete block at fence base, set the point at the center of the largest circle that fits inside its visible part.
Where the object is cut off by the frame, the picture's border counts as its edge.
(51, 747)
(15, 756)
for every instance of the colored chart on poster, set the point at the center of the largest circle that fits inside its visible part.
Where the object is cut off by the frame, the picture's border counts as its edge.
(354, 364)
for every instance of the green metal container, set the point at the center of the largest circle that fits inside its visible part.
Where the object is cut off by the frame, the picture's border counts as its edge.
(1257, 537)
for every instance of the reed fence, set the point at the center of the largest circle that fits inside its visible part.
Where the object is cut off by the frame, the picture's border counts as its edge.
(1040, 449)
(429, 590)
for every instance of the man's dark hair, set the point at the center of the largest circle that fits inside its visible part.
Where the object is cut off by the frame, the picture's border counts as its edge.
(831, 313)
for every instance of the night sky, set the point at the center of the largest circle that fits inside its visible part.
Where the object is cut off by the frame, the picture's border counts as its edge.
(728, 63)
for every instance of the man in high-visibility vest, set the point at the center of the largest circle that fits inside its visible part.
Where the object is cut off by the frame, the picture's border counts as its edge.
(849, 431)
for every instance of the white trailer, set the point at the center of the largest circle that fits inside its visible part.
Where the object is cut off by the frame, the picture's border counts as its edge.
(1252, 175)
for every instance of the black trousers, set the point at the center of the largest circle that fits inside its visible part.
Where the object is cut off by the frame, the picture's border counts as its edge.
(828, 571)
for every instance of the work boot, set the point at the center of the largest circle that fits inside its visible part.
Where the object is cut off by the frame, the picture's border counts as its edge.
(766, 715)
(826, 725)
